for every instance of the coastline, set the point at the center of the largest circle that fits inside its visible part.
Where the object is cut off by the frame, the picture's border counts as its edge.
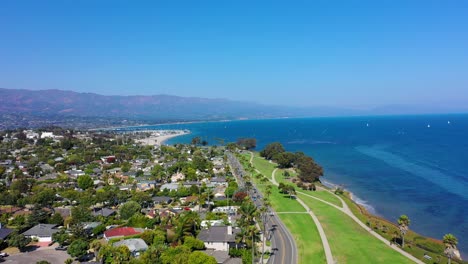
(359, 201)
(158, 137)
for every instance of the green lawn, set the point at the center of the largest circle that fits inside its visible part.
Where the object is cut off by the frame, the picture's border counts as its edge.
(324, 195)
(263, 165)
(301, 226)
(307, 239)
(349, 242)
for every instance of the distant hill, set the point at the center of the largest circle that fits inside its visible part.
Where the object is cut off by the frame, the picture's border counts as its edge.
(33, 108)
(156, 107)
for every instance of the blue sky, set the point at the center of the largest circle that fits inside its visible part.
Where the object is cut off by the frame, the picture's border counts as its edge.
(334, 53)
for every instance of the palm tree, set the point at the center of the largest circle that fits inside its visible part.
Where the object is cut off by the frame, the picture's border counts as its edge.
(248, 211)
(403, 225)
(268, 189)
(450, 242)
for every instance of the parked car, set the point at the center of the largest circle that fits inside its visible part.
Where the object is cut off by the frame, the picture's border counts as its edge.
(62, 248)
(3, 255)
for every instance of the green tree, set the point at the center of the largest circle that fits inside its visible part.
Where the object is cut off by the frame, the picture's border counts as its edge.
(198, 257)
(56, 219)
(247, 143)
(450, 242)
(78, 248)
(193, 243)
(19, 241)
(403, 225)
(61, 237)
(85, 182)
(44, 197)
(43, 262)
(179, 255)
(38, 216)
(128, 209)
(196, 141)
(271, 150)
(80, 214)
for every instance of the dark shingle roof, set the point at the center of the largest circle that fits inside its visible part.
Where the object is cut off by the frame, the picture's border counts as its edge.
(4, 232)
(162, 199)
(42, 230)
(218, 234)
(104, 212)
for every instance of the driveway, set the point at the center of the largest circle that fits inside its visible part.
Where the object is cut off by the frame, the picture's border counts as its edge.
(49, 254)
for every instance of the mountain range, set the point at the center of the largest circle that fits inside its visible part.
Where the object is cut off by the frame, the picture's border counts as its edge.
(157, 107)
(58, 107)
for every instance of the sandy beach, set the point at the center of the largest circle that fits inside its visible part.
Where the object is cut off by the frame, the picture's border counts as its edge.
(157, 138)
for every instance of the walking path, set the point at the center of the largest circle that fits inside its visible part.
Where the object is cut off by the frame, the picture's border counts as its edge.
(345, 209)
(348, 211)
(323, 236)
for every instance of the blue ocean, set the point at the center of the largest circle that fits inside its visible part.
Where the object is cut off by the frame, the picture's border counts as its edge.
(413, 165)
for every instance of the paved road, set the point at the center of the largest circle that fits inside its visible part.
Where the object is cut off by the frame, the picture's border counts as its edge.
(282, 242)
(48, 254)
(345, 209)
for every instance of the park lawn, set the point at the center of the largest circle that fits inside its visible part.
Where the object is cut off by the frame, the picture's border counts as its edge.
(309, 245)
(349, 242)
(324, 195)
(280, 202)
(264, 166)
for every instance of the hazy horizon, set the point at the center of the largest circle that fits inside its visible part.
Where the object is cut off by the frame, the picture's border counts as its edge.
(359, 55)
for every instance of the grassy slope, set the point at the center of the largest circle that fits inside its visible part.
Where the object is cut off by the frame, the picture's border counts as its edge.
(307, 239)
(267, 168)
(309, 245)
(349, 242)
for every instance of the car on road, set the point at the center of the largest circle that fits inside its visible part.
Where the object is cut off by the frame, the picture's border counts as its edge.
(3, 255)
(62, 248)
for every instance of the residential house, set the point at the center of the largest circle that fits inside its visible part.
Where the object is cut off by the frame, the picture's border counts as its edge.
(177, 177)
(89, 226)
(162, 200)
(217, 181)
(63, 211)
(222, 257)
(220, 238)
(135, 245)
(4, 232)
(121, 232)
(75, 173)
(170, 186)
(42, 232)
(145, 185)
(106, 212)
(226, 209)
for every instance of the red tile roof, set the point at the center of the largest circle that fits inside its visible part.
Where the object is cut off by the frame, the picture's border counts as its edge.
(121, 231)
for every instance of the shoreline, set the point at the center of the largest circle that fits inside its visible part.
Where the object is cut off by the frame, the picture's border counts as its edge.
(369, 208)
(159, 137)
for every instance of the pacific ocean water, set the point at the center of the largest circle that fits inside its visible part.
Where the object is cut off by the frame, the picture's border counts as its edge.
(394, 165)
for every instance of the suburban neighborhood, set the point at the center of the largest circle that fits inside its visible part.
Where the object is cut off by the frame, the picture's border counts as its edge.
(106, 197)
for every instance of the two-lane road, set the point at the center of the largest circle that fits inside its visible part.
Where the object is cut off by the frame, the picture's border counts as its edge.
(282, 242)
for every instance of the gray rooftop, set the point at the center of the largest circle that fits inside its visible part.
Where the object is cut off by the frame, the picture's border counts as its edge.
(4, 232)
(104, 212)
(218, 234)
(134, 244)
(41, 230)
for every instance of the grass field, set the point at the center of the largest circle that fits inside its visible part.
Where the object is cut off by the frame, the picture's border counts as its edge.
(301, 226)
(349, 242)
(306, 236)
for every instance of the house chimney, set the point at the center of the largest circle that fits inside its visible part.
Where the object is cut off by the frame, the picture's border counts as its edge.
(229, 230)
